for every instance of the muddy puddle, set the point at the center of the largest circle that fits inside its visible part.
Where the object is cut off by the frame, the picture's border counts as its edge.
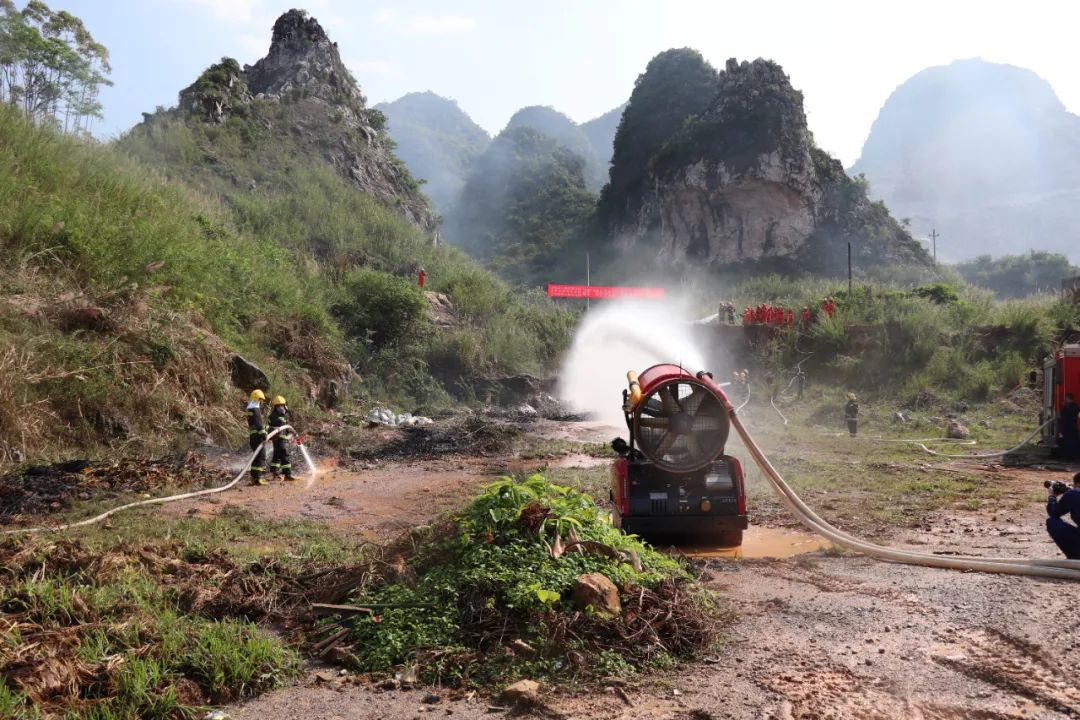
(761, 543)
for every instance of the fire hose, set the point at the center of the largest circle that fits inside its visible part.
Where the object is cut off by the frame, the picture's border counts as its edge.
(154, 501)
(1049, 568)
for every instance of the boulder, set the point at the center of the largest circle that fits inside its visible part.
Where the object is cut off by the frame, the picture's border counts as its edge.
(246, 375)
(597, 591)
(441, 310)
(956, 431)
(523, 692)
(329, 394)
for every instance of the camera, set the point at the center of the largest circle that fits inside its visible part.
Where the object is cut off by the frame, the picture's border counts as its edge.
(1057, 487)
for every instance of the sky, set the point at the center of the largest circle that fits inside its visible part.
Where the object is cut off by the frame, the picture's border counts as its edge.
(582, 57)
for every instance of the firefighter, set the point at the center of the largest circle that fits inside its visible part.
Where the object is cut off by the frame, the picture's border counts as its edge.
(256, 435)
(1067, 427)
(805, 315)
(421, 277)
(789, 317)
(747, 316)
(1065, 535)
(279, 417)
(851, 414)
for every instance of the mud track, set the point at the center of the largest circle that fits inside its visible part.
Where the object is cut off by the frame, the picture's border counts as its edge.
(819, 635)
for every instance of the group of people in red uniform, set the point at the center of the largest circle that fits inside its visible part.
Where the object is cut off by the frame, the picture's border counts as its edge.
(765, 314)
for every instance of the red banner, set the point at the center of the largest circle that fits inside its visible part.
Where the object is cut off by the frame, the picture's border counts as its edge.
(601, 292)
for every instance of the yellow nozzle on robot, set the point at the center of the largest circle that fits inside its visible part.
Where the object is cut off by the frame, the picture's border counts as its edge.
(635, 392)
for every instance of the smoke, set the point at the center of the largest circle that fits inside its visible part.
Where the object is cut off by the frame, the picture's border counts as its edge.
(623, 335)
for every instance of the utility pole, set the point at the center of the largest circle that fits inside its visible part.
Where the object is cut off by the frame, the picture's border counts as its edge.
(588, 281)
(933, 239)
(849, 272)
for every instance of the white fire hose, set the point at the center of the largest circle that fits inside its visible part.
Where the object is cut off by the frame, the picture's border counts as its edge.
(152, 501)
(1049, 568)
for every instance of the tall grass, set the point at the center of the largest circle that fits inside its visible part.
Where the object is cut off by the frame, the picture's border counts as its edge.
(967, 346)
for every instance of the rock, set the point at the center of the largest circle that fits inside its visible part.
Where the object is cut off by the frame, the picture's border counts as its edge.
(329, 394)
(246, 375)
(597, 591)
(523, 692)
(82, 315)
(523, 648)
(430, 698)
(442, 310)
(956, 431)
(527, 409)
(512, 390)
(742, 181)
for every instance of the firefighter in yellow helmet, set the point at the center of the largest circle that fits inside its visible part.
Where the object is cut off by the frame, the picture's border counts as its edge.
(851, 414)
(257, 435)
(279, 417)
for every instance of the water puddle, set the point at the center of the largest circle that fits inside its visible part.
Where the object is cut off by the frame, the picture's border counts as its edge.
(762, 542)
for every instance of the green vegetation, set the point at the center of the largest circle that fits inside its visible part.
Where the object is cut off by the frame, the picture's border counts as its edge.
(676, 85)
(50, 66)
(153, 619)
(952, 343)
(549, 121)
(114, 279)
(497, 572)
(1016, 276)
(525, 209)
(120, 275)
(363, 254)
(437, 141)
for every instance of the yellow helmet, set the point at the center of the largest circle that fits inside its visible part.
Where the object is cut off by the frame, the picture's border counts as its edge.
(851, 396)
(278, 400)
(257, 394)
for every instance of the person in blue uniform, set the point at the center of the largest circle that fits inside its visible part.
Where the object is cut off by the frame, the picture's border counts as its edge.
(1065, 501)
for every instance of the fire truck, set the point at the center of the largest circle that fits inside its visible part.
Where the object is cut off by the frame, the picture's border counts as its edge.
(1061, 376)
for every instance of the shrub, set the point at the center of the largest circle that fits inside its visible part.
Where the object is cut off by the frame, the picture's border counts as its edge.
(495, 572)
(381, 307)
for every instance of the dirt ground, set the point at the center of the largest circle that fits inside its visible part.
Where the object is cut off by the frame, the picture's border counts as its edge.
(819, 634)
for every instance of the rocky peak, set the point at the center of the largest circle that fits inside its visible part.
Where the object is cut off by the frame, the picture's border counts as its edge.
(741, 181)
(302, 96)
(295, 31)
(302, 58)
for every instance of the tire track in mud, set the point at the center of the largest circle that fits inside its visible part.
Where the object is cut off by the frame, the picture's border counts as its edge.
(1013, 665)
(837, 693)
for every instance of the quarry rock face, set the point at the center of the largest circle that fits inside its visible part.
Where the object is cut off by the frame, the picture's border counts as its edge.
(303, 93)
(743, 181)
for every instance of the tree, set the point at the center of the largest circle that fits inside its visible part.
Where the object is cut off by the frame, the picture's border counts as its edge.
(51, 66)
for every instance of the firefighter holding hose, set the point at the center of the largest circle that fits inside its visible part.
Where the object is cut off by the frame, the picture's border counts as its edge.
(1064, 501)
(279, 418)
(257, 435)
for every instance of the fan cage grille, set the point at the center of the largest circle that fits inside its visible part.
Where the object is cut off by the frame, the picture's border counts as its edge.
(681, 425)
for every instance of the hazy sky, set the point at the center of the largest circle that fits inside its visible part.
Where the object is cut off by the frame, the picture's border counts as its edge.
(582, 57)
